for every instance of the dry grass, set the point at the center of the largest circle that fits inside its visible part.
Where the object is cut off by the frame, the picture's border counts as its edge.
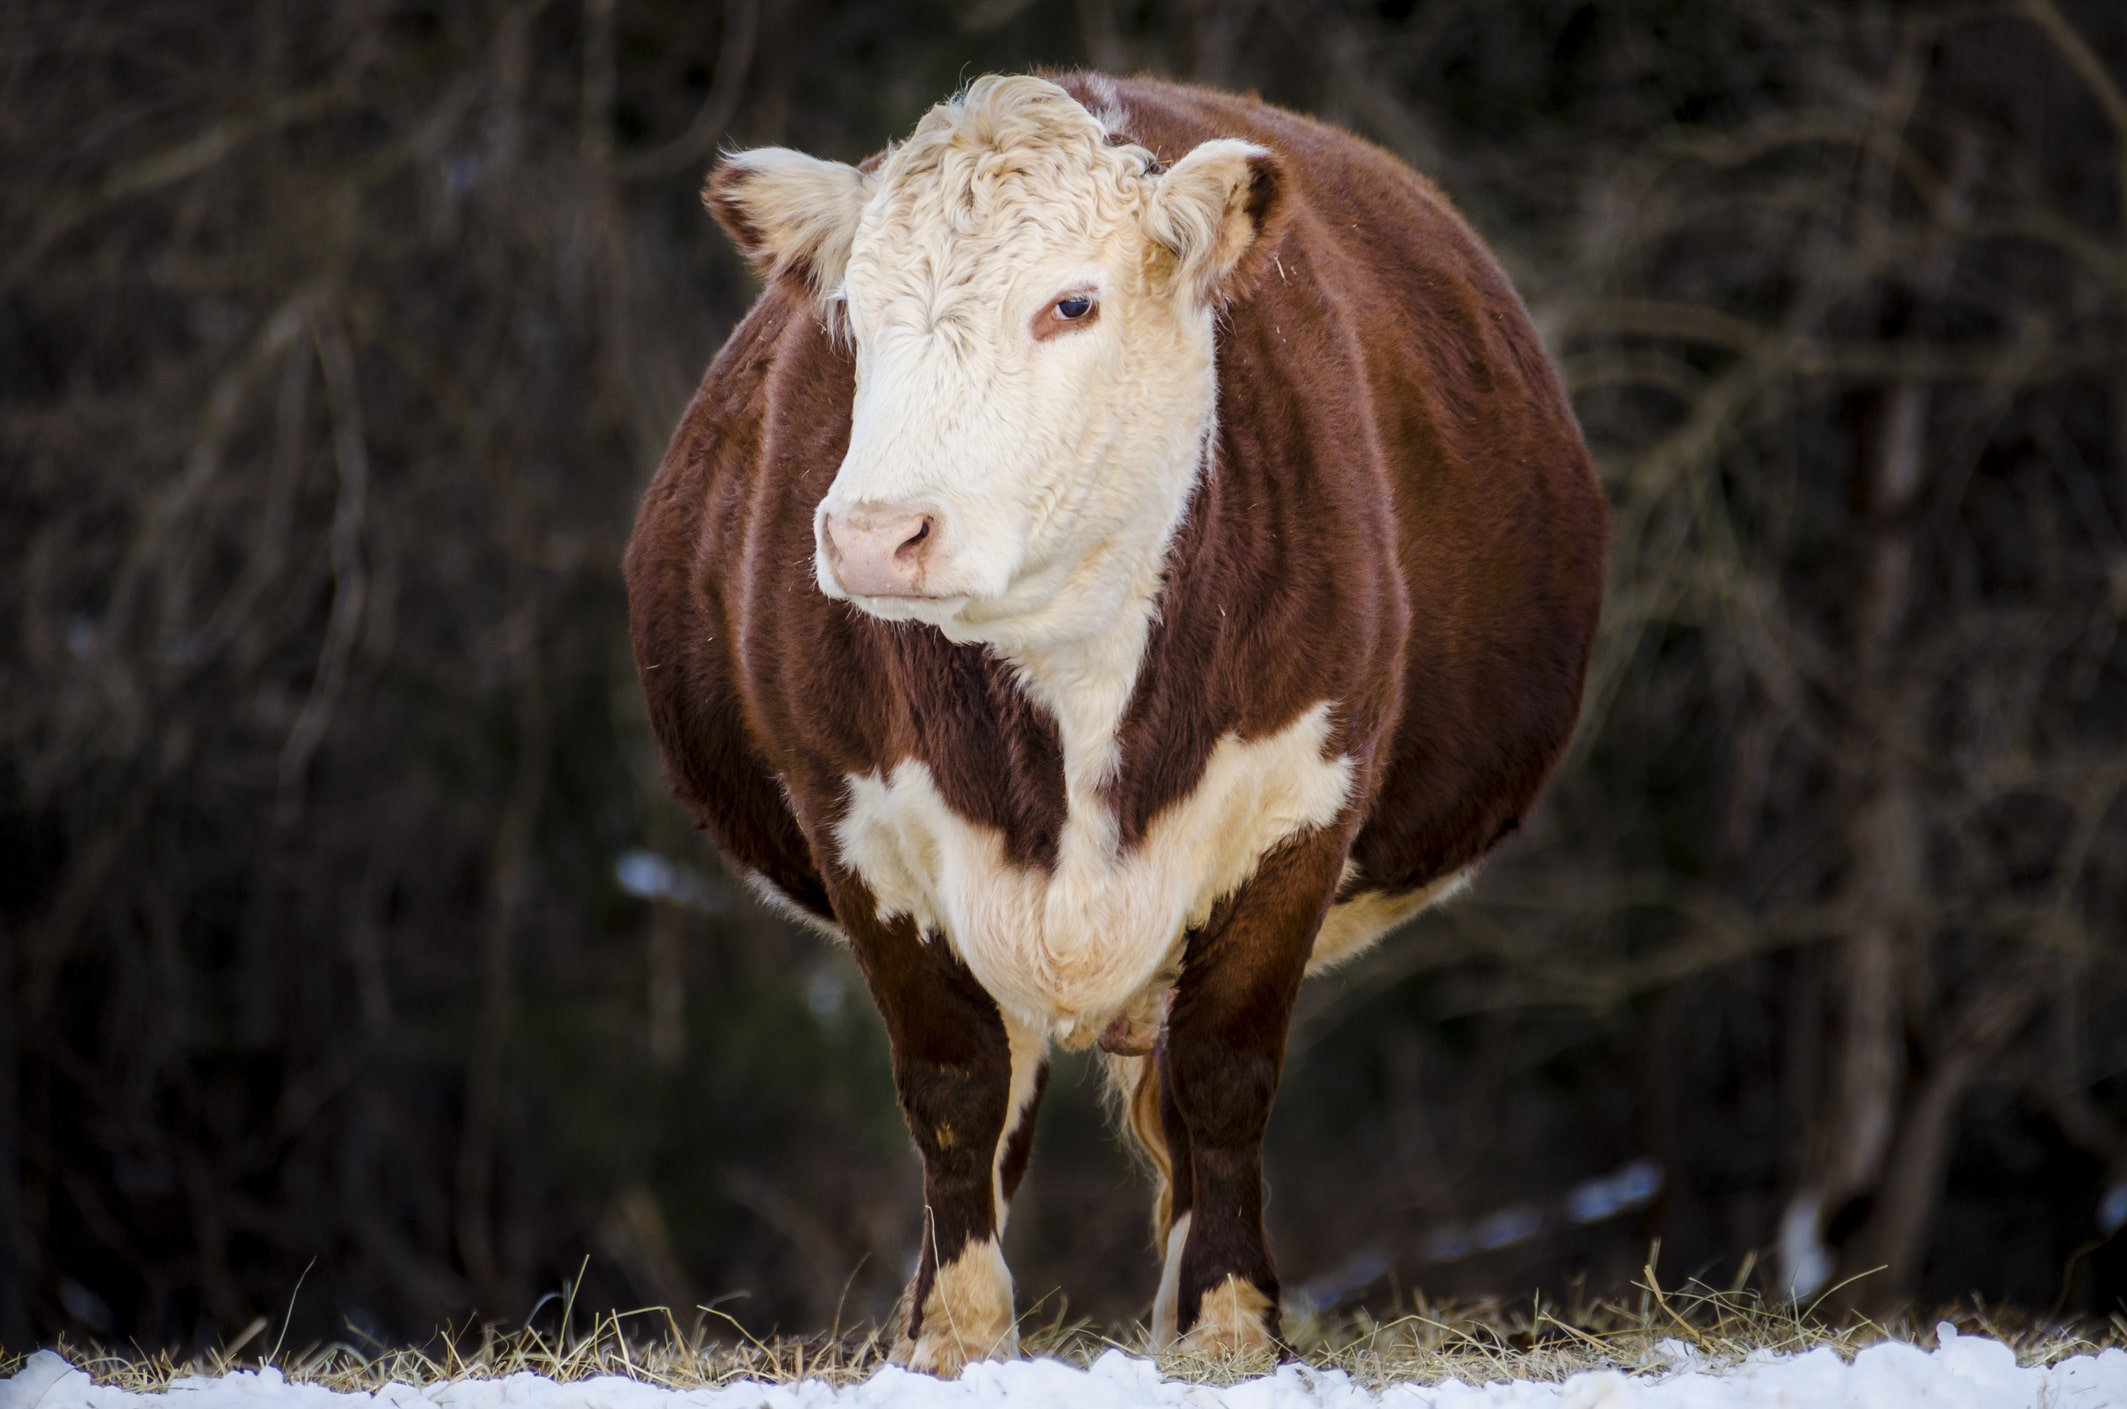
(1475, 1342)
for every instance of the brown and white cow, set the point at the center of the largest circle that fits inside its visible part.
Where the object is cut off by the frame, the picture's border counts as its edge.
(1136, 552)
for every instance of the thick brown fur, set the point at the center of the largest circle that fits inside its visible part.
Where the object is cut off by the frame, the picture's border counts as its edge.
(1398, 516)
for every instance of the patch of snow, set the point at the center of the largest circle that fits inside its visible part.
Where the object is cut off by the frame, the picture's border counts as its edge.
(1632, 1185)
(1964, 1372)
(647, 876)
(2112, 1209)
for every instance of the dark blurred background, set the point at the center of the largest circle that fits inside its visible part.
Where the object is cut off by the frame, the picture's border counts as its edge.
(345, 923)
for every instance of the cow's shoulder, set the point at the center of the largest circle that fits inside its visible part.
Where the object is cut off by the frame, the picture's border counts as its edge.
(1403, 518)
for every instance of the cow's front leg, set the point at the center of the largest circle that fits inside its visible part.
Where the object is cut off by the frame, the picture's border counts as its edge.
(960, 1303)
(1221, 1057)
(969, 1084)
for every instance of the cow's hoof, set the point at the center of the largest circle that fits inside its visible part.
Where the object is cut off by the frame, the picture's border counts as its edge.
(946, 1355)
(1232, 1323)
(967, 1315)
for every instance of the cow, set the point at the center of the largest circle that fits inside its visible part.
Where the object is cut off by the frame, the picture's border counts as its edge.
(1135, 553)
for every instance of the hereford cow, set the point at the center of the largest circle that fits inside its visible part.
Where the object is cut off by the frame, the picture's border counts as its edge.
(1135, 553)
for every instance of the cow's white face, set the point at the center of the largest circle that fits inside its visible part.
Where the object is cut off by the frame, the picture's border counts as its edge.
(1031, 310)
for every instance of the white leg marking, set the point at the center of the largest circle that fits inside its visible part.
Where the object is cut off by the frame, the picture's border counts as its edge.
(1232, 1322)
(967, 1315)
(1029, 1050)
(1165, 1307)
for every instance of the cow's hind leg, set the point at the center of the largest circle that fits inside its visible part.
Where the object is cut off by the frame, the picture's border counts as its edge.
(1220, 1060)
(969, 1084)
(1148, 1115)
(1136, 1090)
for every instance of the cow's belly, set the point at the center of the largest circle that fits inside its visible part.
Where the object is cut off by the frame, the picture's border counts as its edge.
(1356, 922)
(1069, 949)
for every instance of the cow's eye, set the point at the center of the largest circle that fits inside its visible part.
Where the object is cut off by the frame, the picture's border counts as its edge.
(1067, 314)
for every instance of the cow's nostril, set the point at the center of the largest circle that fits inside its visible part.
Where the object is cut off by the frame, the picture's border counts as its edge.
(883, 551)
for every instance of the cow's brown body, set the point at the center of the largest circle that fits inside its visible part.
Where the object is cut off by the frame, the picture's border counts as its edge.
(1398, 516)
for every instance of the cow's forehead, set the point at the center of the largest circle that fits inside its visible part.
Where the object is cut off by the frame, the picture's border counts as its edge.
(1013, 167)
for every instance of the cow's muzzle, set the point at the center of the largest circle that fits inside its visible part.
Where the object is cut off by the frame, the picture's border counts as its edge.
(883, 550)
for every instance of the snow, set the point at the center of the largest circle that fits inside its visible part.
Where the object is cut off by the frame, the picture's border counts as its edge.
(1963, 1372)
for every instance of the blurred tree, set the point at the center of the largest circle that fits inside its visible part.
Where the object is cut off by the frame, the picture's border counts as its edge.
(344, 922)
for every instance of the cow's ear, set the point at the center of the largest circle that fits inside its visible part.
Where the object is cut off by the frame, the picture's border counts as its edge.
(789, 213)
(1218, 211)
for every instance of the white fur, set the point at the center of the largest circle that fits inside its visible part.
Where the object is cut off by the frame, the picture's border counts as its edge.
(1231, 1321)
(1054, 468)
(1197, 212)
(803, 208)
(1166, 1303)
(967, 1315)
(1028, 1047)
(1356, 922)
(772, 896)
(1068, 950)
(1057, 468)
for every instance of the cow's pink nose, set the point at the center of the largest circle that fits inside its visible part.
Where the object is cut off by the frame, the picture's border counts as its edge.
(883, 551)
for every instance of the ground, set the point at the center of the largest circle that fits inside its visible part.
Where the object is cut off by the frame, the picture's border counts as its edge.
(1669, 1351)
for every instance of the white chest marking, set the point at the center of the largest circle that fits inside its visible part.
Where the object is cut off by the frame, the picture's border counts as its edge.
(1068, 950)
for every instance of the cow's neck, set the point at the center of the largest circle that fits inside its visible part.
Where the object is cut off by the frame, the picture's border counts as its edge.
(1084, 675)
(1086, 685)
(1080, 653)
